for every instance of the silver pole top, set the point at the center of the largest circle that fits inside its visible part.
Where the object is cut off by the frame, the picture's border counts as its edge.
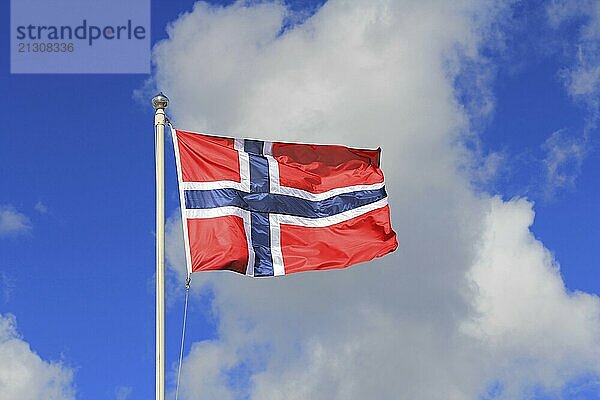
(160, 101)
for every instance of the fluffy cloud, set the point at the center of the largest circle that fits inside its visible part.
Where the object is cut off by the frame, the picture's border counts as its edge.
(24, 375)
(563, 161)
(13, 222)
(174, 245)
(470, 305)
(583, 78)
(582, 82)
(532, 324)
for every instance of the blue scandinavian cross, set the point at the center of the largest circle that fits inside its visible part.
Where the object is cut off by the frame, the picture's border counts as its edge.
(261, 202)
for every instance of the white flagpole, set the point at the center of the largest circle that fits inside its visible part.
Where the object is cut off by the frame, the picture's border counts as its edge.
(160, 102)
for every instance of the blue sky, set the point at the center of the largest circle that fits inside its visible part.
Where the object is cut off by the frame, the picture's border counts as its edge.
(531, 103)
(77, 197)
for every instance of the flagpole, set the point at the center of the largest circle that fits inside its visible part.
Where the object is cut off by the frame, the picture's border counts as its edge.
(160, 102)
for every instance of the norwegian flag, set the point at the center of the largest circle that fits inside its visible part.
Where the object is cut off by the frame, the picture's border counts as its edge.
(271, 208)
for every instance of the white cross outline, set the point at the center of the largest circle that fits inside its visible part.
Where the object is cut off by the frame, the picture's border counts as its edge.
(275, 220)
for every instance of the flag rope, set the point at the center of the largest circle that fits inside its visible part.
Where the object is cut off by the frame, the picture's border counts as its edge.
(185, 307)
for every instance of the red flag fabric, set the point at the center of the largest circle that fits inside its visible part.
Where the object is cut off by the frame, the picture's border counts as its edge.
(271, 208)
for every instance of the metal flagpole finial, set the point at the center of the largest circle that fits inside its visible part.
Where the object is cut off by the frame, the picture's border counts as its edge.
(160, 101)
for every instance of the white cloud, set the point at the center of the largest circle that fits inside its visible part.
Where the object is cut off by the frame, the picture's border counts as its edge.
(41, 207)
(531, 322)
(565, 156)
(469, 300)
(176, 273)
(7, 285)
(123, 392)
(563, 161)
(24, 375)
(174, 250)
(12, 222)
(582, 79)
(205, 373)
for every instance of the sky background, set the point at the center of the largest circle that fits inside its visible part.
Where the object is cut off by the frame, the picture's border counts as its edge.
(487, 115)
